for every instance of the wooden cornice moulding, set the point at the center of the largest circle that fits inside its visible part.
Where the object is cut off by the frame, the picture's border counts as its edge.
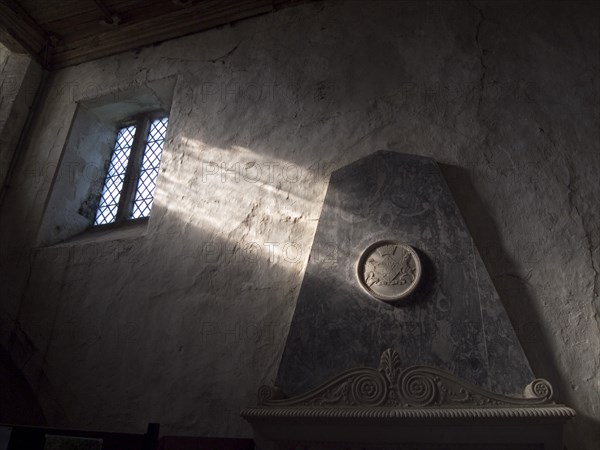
(415, 393)
(22, 28)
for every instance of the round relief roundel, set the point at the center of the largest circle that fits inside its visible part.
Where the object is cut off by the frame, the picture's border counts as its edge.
(389, 270)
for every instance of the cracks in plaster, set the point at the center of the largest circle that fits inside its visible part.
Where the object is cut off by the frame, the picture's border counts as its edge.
(3, 64)
(56, 141)
(482, 51)
(507, 153)
(226, 55)
(571, 193)
(26, 282)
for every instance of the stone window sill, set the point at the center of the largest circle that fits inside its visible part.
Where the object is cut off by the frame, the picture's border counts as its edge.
(126, 230)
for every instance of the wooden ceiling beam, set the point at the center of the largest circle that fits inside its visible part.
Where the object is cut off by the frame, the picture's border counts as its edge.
(17, 23)
(188, 20)
(139, 28)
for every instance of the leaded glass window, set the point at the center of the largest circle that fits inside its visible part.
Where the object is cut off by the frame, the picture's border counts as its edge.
(115, 177)
(128, 190)
(146, 184)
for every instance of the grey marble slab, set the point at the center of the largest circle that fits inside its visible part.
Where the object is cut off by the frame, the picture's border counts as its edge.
(454, 320)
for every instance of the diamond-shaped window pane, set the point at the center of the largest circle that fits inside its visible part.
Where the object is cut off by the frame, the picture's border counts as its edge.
(113, 184)
(144, 194)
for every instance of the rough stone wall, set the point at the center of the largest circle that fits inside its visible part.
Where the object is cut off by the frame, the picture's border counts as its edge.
(181, 323)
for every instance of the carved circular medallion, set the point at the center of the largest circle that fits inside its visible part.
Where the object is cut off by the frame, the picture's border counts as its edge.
(389, 270)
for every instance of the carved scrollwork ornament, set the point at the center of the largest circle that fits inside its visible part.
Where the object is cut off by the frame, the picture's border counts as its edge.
(539, 388)
(413, 387)
(418, 388)
(267, 394)
(369, 389)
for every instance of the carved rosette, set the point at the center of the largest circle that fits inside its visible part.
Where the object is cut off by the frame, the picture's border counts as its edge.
(414, 387)
(389, 270)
